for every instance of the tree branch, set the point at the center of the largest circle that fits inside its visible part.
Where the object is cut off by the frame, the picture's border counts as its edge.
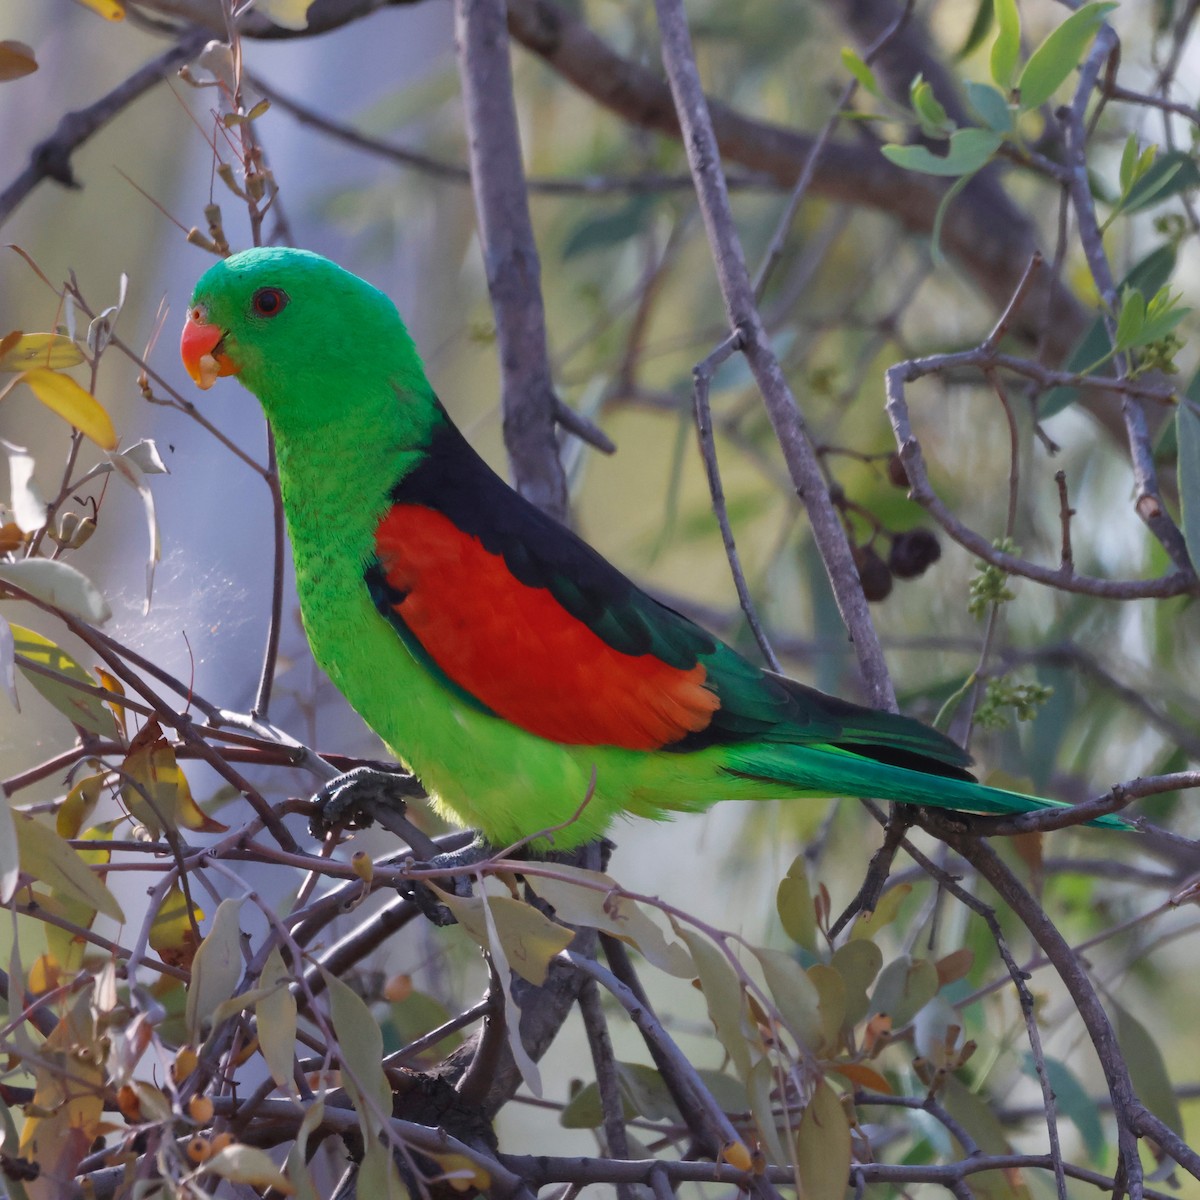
(509, 252)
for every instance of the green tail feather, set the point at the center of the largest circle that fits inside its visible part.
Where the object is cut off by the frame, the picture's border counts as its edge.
(829, 771)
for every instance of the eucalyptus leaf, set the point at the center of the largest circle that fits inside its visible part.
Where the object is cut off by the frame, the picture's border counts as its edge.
(84, 709)
(216, 969)
(1059, 55)
(1006, 49)
(991, 106)
(1171, 174)
(969, 149)
(59, 584)
(1147, 276)
(1187, 435)
(823, 1146)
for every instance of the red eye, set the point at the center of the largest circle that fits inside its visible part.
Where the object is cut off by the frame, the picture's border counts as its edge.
(269, 302)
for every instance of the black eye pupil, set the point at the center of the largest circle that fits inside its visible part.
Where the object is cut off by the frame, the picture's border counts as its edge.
(269, 301)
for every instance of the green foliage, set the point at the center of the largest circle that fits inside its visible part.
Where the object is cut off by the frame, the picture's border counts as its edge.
(1005, 698)
(1187, 426)
(990, 585)
(1059, 55)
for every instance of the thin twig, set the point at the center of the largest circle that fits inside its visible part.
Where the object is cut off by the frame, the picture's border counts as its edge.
(702, 374)
(745, 321)
(51, 159)
(509, 252)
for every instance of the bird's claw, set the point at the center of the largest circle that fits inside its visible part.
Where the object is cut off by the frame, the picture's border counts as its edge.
(426, 899)
(357, 798)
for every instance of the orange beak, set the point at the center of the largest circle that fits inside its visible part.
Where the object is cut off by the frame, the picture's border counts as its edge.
(198, 349)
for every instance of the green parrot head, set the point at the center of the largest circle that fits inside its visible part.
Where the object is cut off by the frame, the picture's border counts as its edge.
(305, 336)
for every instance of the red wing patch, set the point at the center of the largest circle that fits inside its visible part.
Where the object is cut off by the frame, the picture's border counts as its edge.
(518, 651)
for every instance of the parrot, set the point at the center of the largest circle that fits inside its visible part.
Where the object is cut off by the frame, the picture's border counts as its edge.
(527, 682)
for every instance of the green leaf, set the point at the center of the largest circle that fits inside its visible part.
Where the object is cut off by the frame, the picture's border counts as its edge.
(760, 1085)
(59, 584)
(275, 1016)
(980, 28)
(87, 711)
(1163, 313)
(867, 925)
(412, 1017)
(360, 1049)
(823, 1146)
(1129, 161)
(1057, 56)
(1072, 1101)
(831, 1001)
(931, 116)
(1006, 49)
(48, 859)
(1131, 320)
(980, 1121)
(903, 988)
(1187, 435)
(1170, 175)
(725, 999)
(298, 1156)
(216, 969)
(529, 937)
(861, 71)
(1147, 1069)
(794, 995)
(600, 233)
(795, 906)
(857, 963)
(594, 900)
(1148, 276)
(240, 1163)
(990, 105)
(644, 1093)
(476, 916)
(378, 1176)
(969, 150)
(935, 234)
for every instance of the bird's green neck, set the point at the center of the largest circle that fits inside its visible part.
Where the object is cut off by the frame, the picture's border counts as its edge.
(348, 428)
(335, 475)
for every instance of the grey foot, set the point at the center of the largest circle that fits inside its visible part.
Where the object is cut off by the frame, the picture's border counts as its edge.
(363, 796)
(459, 885)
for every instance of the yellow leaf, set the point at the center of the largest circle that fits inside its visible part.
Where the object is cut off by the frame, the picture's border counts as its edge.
(44, 975)
(69, 1100)
(16, 59)
(20, 351)
(79, 805)
(870, 923)
(61, 394)
(173, 934)
(110, 683)
(290, 14)
(156, 791)
(461, 1173)
(110, 10)
(47, 858)
(79, 707)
